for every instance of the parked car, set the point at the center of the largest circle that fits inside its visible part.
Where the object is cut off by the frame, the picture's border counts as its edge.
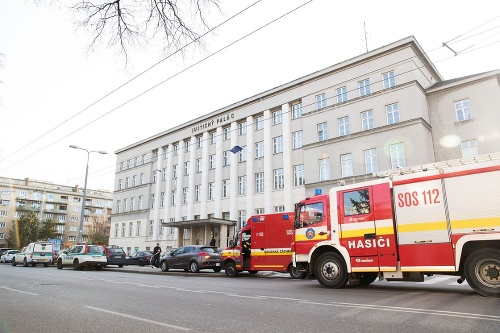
(55, 256)
(8, 255)
(116, 256)
(140, 258)
(4, 249)
(83, 256)
(192, 258)
(19, 257)
(35, 253)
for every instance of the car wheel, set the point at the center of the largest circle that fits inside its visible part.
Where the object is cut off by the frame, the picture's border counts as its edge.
(193, 267)
(14, 263)
(217, 269)
(98, 268)
(141, 263)
(120, 265)
(331, 270)
(59, 264)
(25, 262)
(76, 265)
(164, 266)
(33, 264)
(230, 269)
(46, 265)
(295, 274)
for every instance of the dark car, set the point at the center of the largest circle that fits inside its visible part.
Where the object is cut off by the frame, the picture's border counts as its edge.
(116, 256)
(140, 258)
(192, 258)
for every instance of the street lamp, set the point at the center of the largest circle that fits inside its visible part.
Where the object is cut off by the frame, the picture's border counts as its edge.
(80, 232)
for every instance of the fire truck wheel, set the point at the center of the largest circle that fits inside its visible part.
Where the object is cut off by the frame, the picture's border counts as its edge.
(295, 274)
(482, 271)
(331, 270)
(230, 269)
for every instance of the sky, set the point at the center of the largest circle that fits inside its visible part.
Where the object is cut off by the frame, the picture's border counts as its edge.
(48, 79)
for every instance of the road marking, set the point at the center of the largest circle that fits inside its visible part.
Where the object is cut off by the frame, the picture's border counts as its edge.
(411, 310)
(141, 319)
(20, 291)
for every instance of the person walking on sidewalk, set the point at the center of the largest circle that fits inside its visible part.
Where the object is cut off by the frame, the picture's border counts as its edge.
(156, 256)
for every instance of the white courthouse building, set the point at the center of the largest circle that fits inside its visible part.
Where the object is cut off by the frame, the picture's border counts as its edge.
(381, 110)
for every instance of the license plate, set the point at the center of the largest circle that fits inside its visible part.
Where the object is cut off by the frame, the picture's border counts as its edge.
(96, 257)
(217, 264)
(117, 257)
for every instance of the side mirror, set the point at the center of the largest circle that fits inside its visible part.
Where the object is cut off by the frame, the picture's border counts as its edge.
(231, 243)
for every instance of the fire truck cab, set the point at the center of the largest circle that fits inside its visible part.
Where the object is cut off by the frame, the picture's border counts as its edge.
(263, 244)
(437, 219)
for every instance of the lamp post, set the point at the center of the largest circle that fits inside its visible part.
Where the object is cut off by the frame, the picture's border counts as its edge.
(80, 231)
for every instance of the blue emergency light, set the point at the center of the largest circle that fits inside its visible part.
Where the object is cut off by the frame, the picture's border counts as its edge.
(285, 216)
(255, 219)
(317, 191)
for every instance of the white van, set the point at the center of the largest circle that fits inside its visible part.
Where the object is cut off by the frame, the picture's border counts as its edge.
(35, 253)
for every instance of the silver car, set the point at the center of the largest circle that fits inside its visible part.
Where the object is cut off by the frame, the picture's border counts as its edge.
(192, 258)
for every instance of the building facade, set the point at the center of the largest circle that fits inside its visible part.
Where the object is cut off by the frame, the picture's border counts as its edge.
(386, 109)
(59, 203)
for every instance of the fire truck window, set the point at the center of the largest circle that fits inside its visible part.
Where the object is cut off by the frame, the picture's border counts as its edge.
(312, 213)
(356, 202)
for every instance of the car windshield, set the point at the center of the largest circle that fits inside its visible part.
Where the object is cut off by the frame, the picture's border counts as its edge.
(95, 249)
(116, 251)
(209, 249)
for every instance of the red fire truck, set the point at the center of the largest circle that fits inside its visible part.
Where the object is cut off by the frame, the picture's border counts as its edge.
(442, 218)
(263, 244)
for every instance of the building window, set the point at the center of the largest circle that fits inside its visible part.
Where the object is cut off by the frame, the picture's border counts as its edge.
(364, 87)
(469, 148)
(366, 120)
(277, 117)
(198, 165)
(279, 179)
(211, 191)
(120, 184)
(226, 133)
(211, 136)
(242, 218)
(296, 110)
(184, 195)
(346, 165)
(322, 131)
(155, 175)
(134, 180)
(151, 227)
(186, 168)
(187, 146)
(344, 128)
(140, 202)
(320, 101)
(197, 193)
(298, 175)
(259, 182)
(174, 171)
(242, 154)
(462, 110)
(164, 174)
(259, 123)
(226, 157)
(125, 205)
(132, 203)
(242, 185)
(278, 145)
(211, 162)
(389, 79)
(225, 188)
(117, 227)
(297, 140)
(341, 94)
(279, 209)
(371, 161)
(124, 227)
(324, 169)
(392, 112)
(152, 201)
(259, 149)
(397, 152)
(259, 211)
(242, 128)
(118, 205)
(176, 149)
(162, 199)
(130, 228)
(138, 229)
(172, 197)
(155, 158)
(141, 176)
(199, 141)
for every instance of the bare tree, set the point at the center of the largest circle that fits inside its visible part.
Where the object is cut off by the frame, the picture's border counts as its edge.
(134, 23)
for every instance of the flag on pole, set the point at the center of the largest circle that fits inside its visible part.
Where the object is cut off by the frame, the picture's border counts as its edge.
(236, 149)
